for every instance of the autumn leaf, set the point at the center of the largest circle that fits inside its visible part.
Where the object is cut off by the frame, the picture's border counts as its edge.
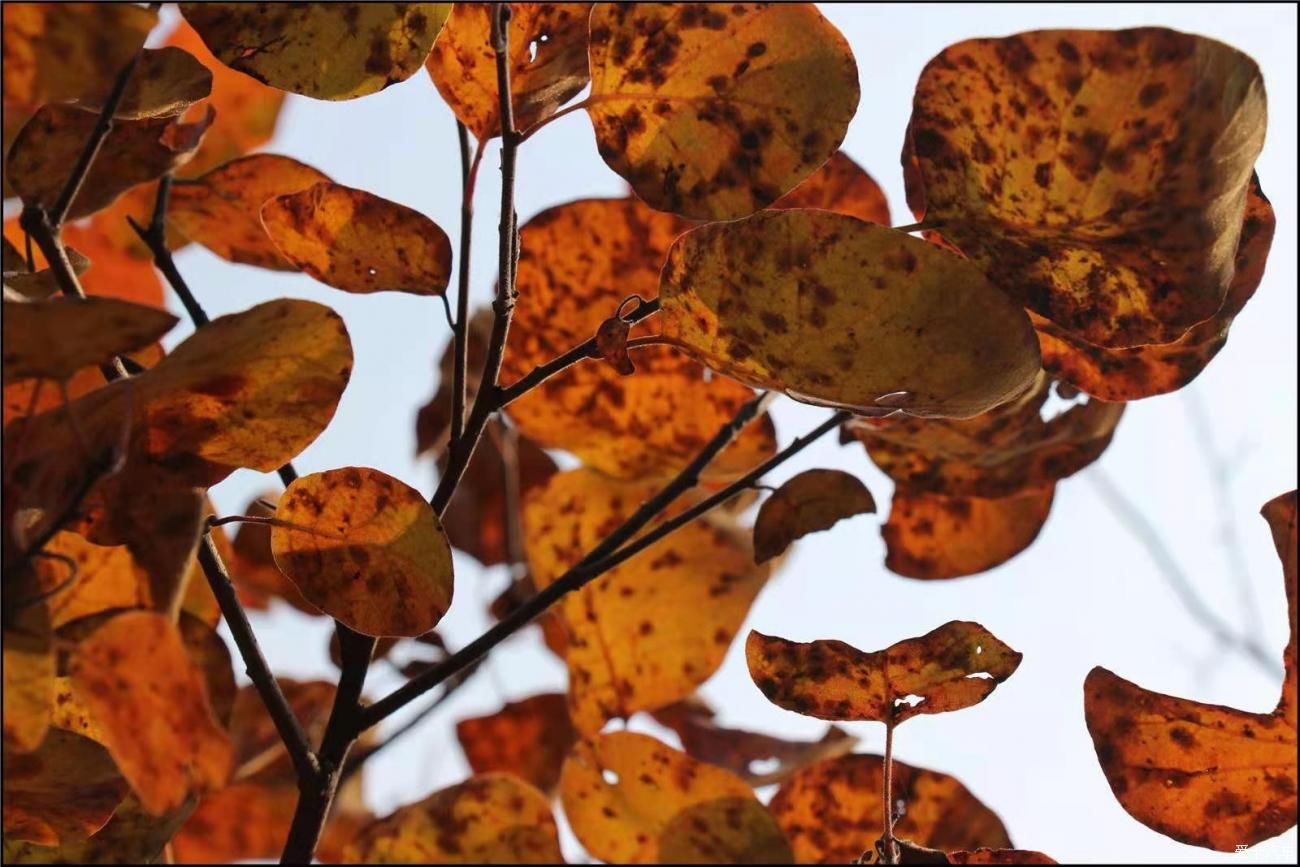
(528, 738)
(165, 83)
(831, 811)
(842, 186)
(65, 790)
(222, 209)
(633, 800)
(548, 63)
(325, 51)
(252, 565)
(488, 819)
(1203, 774)
(366, 549)
(358, 242)
(56, 337)
(838, 312)
(644, 426)
(715, 110)
(29, 667)
(648, 632)
(39, 285)
(811, 501)
(139, 682)
(949, 668)
(1111, 204)
(132, 836)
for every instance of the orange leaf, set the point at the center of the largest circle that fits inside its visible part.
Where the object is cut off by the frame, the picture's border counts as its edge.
(811, 501)
(358, 242)
(252, 565)
(527, 738)
(29, 667)
(1203, 774)
(64, 791)
(132, 836)
(165, 83)
(366, 549)
(715, 110)
(949, 668)
(1097, 176)
(56, 337)
(842, 186)
(548, 63)
(838, 312)
(633, 800)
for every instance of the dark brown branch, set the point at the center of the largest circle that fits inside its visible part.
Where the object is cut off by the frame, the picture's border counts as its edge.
(460, 334)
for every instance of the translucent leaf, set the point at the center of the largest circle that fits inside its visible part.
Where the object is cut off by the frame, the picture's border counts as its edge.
(252, 565)
(949, 668)
(56, 337)
(64, 791)
(835, 311)
(358, 242)
(322, 50)
(366, 549)
(715, 110)
(527, 738)
(41, 284)
(28, 672)
(132, 836)
(165, 83)
(811, 501)
(842, 186)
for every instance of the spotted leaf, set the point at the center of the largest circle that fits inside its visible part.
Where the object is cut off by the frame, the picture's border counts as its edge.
(811, 501)
(56, 337)
(527, 738)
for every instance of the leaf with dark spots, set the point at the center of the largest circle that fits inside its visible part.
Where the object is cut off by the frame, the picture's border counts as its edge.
(831, 810)
(842, 186)
(488, 819)
(1101, 187)
(132, 836)
(812, 501)
(911, 853)
(56, 337)
(650, 631)
(528, 738)
(222, 209)
(29, 667)
(611, 343)
(1204, 774)
(366, 549)
(358, 242)
(252, 565)
(838, 312)
(165, 83)
(743, 125)
(322, 50)
(63, 791)
(633, 800)
(949, 668)
(548, 63)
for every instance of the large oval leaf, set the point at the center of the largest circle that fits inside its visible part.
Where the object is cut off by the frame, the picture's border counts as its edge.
(56, 337)
(63, 792)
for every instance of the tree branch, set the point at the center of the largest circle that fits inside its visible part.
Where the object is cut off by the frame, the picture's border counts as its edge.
(460, 334)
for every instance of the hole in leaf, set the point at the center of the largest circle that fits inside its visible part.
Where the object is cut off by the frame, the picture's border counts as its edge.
(532, 49)
(372, 271)
(765, 766)
(979, 675)
(909, 700)
(609, 777)
(1058, 404)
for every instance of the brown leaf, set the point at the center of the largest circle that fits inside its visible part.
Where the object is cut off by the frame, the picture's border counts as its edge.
(56, 337)
(831, 810)
(132, 836)
(548, 63)
(252, 565)
(611, 343)
(29, 668)
(633, 800)
(1113, 208)
(949, 668)
(64, 791)
(366, 549)
(165, 83)
(38, 285)
(715, 110)
(1203, 774)
(358, 242)
(842, 186)
(222, 209)
(325, 51)
(838, 312)
(527, 738)
(811, 501)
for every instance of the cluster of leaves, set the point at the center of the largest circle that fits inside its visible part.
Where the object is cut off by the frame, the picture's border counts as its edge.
(1091, 224)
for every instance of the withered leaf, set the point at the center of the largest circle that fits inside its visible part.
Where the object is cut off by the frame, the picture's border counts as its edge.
(842, 186)
(648, 425)
(165, 83)
(222, 209)
(1112, 207)
(528, 738)
(252, 565)
(358, 242)
(366, 549)
(548, 63)
(322, 50)
(633, 800)
(838, 312)
(611, 343)
(912, 853)
(29, 667)
(132, 836)
(64, 791)
(1203, 774)
(831, 810)
(811, 501)
(715, 110)
(949, 668)
(650, 631)
(41, 284)
(55, 337)
(488, 819)
(149, 697)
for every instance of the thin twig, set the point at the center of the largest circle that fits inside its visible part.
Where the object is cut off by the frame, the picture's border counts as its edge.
(889, 851)
(460, 333)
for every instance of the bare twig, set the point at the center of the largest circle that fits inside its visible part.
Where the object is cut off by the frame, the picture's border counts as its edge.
(460, 334)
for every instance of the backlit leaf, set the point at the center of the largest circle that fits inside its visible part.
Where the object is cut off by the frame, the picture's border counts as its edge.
(1096, 176)
(132, 836)
(252, 565)
(633, 800)
(358, 242)
(222, 210)
(1203, 774)
(41, 284)
(527, 738)
(831, 810)
(66, 790)
(648, 632)
(548, 63)
(138, 680)
(366, 549)
(842, 186)
(321, 50)
(811, 501)
(488, 819)
(949, 668)
(165, 83)
(56, 337)
(835, 311)
(577, 263)
(715, 110)
(28, 671)
(933, 536)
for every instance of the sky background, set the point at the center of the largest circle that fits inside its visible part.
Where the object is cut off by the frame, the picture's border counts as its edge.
(1086, 593)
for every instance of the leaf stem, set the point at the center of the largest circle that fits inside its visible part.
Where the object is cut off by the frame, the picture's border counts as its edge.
(889, 850)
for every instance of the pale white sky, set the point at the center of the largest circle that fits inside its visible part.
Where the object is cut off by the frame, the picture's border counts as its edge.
(1084, 594)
